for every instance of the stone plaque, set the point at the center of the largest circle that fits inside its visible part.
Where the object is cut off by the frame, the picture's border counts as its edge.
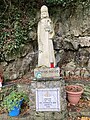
(48, 99)
(46, 72)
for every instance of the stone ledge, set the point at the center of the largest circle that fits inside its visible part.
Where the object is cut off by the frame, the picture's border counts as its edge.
(79, 114)
(78, 81)
(47, 79)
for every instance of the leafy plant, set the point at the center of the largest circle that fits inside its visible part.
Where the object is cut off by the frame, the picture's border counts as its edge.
(14, 28)
(13, 100)
(13, 36)
(55, 2)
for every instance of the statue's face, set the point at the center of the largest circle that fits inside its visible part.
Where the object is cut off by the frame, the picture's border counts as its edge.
(44, 14)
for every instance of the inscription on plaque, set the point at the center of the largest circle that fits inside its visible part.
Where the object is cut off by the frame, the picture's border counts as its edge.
(48, 99)
(46, 72)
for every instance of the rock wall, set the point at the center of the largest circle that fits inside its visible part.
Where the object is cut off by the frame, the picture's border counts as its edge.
(71, 44)
(72, 40)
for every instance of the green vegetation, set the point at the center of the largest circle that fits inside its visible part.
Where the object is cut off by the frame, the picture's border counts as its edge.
(87, 92)
(63, 2)
(13, 99)
(16, 18)
(15, 25)
(55, 2)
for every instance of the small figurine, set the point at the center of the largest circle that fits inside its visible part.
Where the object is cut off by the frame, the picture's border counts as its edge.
(1, 77)
(0, 82)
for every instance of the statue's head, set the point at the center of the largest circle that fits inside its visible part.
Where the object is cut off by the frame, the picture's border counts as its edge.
(44, 12)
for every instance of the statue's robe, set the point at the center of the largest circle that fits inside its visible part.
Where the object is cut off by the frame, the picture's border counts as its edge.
(45, 44)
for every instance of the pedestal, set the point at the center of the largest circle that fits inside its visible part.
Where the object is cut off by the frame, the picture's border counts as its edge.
(47, 83)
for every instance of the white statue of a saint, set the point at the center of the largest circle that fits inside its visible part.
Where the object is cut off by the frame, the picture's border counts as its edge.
(45, 45)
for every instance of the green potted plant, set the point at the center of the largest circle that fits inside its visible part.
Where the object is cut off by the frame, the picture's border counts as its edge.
(12, 102)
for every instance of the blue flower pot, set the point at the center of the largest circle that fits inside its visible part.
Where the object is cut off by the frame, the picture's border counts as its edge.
(16, 110)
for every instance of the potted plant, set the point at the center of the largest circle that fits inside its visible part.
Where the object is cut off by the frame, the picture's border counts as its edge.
(12, 102)
(74, 93)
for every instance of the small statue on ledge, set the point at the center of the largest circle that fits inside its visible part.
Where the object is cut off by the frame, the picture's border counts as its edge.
(1, 77)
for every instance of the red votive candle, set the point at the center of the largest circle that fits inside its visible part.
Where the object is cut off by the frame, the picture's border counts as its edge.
(52, 65)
